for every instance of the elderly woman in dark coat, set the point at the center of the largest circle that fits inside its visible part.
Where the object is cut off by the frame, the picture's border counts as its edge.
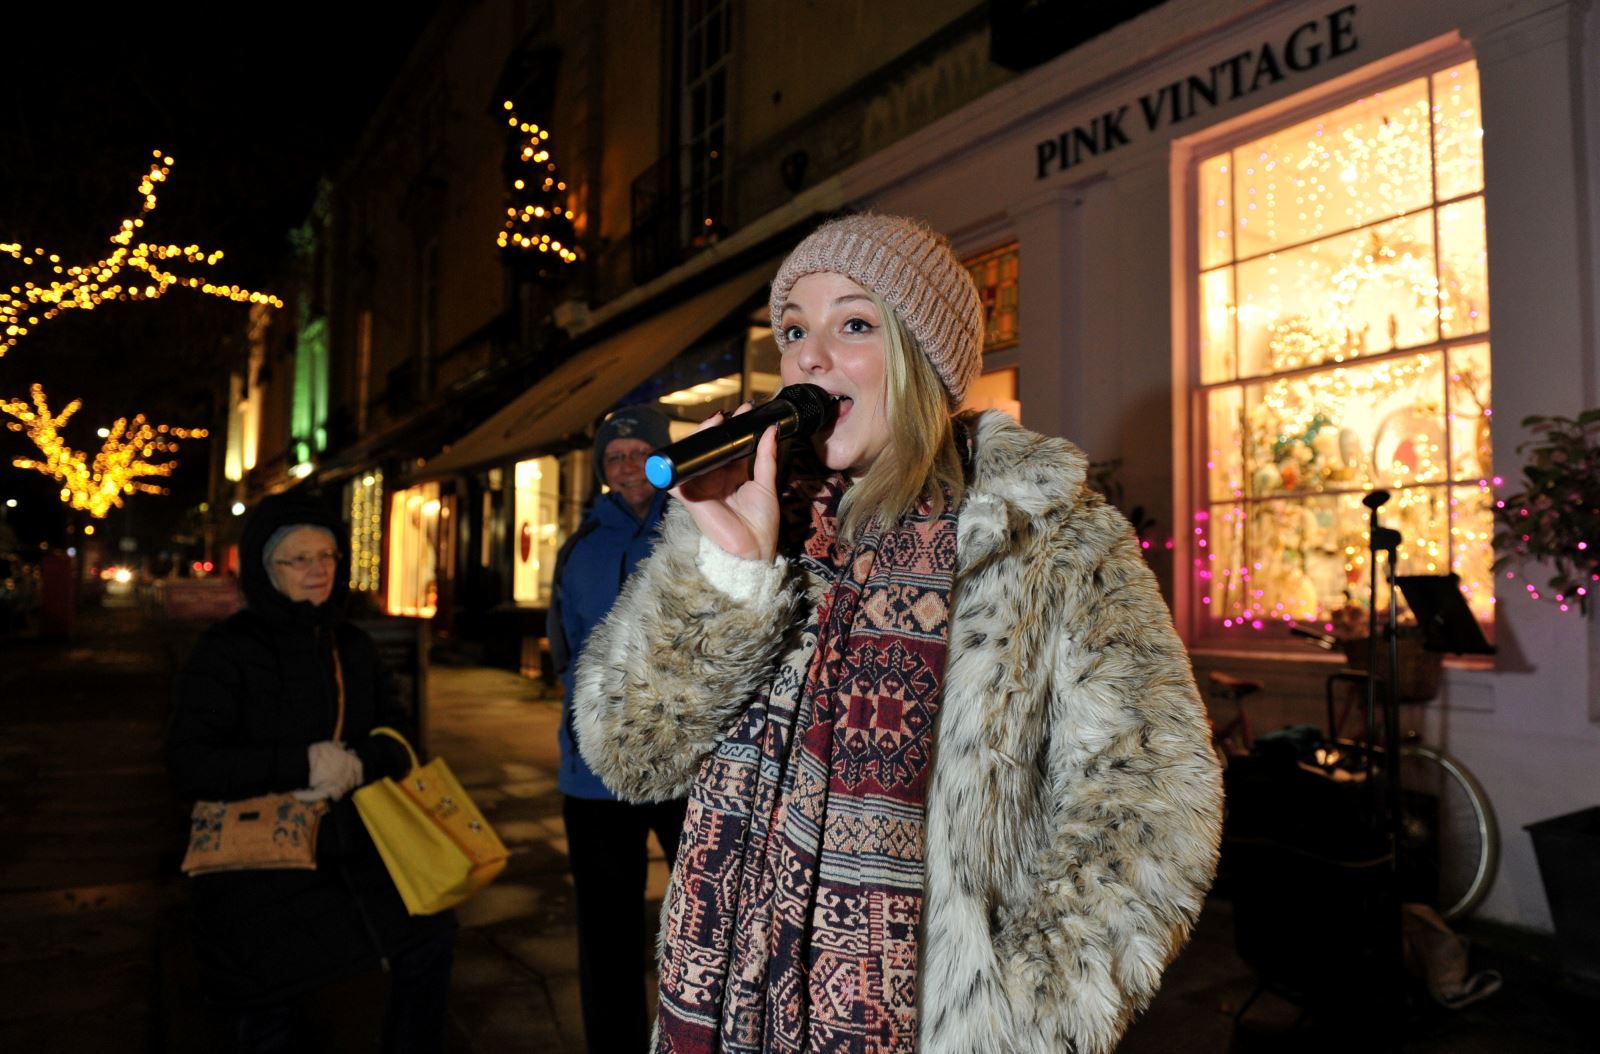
(255, 713)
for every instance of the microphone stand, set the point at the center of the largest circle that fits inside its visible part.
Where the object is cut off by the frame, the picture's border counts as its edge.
(1387, 540)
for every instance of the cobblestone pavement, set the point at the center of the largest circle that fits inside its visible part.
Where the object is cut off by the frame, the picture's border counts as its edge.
(94, 946)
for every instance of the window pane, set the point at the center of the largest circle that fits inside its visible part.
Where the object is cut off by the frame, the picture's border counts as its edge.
(1225, 443)
(1327, 431)
(1355, 294)
(1363, 162)
(1471, 453)
(1216, 214)
(1422, 516)
(1471, 548)
(1218, 353)
(537, 504)
(1220, 542)
(1463, 269)
(1294, 564)
(1458, 131)
(414, 516)
(995, 275)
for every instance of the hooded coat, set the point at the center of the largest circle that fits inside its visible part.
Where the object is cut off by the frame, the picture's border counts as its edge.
(256, 692)
(1074, 807)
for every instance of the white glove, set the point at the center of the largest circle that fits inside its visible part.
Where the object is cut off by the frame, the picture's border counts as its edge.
(335, 771)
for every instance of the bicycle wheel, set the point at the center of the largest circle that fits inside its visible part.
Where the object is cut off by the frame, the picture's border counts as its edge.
(1452, 841)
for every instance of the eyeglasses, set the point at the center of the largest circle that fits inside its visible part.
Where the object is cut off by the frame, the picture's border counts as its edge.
(637, 457)
(306, 561)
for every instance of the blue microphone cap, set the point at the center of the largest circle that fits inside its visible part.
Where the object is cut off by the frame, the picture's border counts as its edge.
(658, 470)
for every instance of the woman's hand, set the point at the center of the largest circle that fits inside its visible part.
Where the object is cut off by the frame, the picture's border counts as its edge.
(335, 771)
(736, 506)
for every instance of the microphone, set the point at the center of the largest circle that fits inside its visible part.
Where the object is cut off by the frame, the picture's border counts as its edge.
(1375, 500)
(798, 410)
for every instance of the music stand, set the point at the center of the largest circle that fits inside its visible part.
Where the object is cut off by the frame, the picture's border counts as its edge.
(1447, 623)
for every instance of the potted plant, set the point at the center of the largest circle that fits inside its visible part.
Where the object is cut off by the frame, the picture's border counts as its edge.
(1555, 517)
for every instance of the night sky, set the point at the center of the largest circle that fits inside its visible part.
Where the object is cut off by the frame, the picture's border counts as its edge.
(252, 113)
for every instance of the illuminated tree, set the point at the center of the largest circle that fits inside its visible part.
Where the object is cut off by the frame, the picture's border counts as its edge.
(96, 485)
(538, 225)
(133, 270)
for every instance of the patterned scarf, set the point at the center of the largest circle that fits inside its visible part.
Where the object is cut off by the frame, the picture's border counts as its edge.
(797, 900)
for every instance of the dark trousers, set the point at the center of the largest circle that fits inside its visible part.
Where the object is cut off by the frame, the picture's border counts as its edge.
(607, 849)
(414, 1013)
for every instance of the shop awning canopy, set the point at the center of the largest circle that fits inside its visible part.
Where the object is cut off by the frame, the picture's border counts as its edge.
(585, 386)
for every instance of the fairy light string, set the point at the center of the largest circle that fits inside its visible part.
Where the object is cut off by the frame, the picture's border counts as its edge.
(133, 270)
(121, 468)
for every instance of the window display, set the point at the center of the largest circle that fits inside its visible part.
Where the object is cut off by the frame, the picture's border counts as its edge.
(417, 537)
(536, 531)
(1343, 346)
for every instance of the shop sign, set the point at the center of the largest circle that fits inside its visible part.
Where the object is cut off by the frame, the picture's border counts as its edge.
(1305, 48)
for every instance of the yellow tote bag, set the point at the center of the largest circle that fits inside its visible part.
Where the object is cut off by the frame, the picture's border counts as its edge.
(436, 844)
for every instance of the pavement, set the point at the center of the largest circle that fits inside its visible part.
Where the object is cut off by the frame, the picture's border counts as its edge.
(95, 953)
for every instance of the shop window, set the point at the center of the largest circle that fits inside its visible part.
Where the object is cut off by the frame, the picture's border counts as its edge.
(537, 530)
(364, 498)
(416, 522)
(1343, 346)
(995, 275)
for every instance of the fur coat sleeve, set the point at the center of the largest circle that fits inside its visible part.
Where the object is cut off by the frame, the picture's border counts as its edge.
(664, 678)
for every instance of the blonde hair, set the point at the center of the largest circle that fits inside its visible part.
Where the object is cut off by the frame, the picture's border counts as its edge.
(921, 453)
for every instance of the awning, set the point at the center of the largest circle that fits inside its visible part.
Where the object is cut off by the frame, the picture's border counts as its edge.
(585, 386)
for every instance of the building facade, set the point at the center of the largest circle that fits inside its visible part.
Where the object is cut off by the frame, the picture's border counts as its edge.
(1259, 258)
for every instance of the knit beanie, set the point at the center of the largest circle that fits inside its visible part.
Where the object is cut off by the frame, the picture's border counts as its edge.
(913, 269)
(631, 422)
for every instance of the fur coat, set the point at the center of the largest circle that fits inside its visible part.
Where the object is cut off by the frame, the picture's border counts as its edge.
(1074, 807)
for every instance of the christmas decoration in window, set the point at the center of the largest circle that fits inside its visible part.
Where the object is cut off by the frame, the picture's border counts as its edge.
(1343, 346)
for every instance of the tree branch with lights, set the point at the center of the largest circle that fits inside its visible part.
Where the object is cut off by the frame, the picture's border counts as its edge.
(120, 468)
(133, 270)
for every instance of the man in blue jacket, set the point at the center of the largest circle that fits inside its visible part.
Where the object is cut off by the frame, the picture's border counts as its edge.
(606, 838)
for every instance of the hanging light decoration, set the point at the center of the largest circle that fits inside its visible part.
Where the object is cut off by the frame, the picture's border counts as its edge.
(132, 270)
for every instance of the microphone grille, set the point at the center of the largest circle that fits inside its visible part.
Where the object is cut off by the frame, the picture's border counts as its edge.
(813, 406)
